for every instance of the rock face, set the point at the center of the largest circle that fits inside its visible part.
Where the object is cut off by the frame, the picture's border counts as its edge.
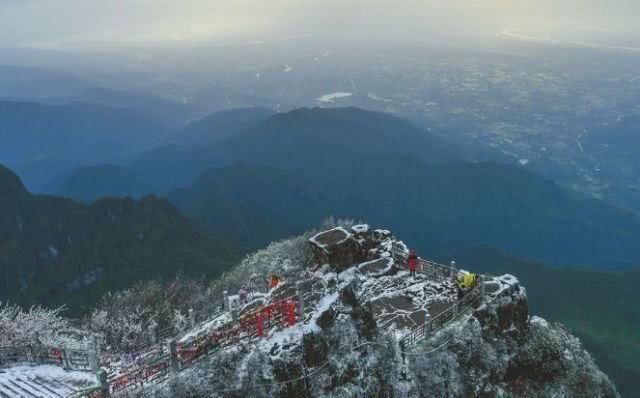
(501, 351)
(339, 248)
(349, 347)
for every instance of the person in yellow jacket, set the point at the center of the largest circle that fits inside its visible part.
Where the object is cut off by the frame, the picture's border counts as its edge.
(466, 282)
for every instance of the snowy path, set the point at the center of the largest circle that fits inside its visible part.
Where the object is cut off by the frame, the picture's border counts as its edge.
(46, 381)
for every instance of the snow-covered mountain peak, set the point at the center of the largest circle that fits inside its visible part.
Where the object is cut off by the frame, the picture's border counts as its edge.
(368, 328)
(343, 316)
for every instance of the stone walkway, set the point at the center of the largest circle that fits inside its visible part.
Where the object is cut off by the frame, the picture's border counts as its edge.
(45, 381)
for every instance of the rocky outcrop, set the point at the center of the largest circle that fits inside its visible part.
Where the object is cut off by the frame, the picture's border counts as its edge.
(342, 248)
(501, 351)
(349, 346)
(337, 247)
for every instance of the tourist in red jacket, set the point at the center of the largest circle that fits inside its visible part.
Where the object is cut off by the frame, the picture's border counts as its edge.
(412, 262)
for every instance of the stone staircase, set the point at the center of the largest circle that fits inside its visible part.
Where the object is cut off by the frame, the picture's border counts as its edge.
(42, 382)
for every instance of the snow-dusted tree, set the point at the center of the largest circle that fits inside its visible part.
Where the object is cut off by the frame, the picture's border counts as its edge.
(126, 318)
(21, 328)
(286, 258)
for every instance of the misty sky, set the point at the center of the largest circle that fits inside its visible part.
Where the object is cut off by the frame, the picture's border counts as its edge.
(86, 23)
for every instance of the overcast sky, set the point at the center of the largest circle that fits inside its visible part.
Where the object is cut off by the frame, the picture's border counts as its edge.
(85, 23)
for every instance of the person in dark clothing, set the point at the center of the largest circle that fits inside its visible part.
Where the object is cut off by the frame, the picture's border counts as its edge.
(412, 262)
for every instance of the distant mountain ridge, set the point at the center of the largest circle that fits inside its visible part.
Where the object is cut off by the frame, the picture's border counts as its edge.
(302, 133)
(90, 183)
(436, 204)
(356, 163)
(220, 126)
(58, 251)
(255, 204)
(29, 83)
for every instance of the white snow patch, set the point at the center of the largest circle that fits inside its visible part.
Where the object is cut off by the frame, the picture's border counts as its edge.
(539, 321)
(56, 379)
(53, 251)
(506, 282)
(214, 323)
(360, 228)
(287, 69)
(375, 97)
(509, 279)
(234, 301)
(325, 303)
(315, 241)
(332, 97)
(567, 355)
(523, 162)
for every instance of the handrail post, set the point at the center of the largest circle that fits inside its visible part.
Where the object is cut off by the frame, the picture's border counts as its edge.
(234, 314)
(93, 355)
(299, 288)
(65, 359)
(37, 349)
(104, 383)
(173, 356)
(153, 331)
(192, 318)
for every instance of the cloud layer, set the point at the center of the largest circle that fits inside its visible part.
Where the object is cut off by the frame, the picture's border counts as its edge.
(77, 23)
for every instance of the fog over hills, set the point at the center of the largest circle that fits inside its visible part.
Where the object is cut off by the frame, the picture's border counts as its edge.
(384, 169)
(42, 140)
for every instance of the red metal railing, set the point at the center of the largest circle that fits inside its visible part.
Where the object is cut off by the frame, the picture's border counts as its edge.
(252, 324)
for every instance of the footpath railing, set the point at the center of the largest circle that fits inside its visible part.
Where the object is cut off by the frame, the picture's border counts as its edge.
(180, 356)
(422, 332)
(434, 270)
(71, 359)
(157, 337)
(183, 356)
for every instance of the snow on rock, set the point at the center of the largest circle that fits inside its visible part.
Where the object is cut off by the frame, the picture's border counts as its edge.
(337, 247)
(504, 284)
(360, 228)
(540, 321)
(377, 267)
